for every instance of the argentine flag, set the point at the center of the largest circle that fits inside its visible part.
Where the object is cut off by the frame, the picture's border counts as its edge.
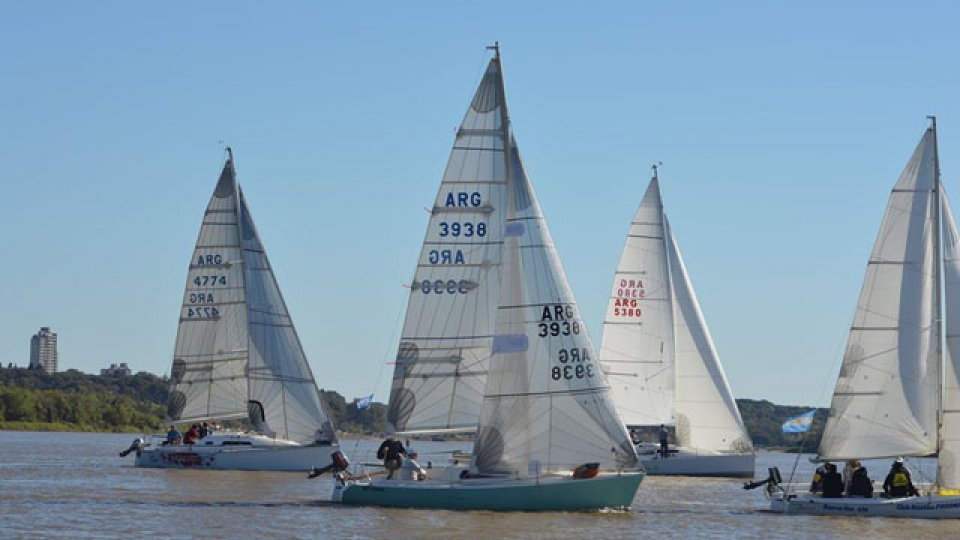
(363, 402)
(799, 423)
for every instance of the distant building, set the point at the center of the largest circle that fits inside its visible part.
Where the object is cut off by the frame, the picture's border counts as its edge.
(43, 350)
(122, 370)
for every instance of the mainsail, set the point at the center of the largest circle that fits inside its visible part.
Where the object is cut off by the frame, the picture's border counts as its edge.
(638, 334)
(210, 356)
(707, 414)
(546, 405)
(237, 352)
(886, 399)
(441, 364)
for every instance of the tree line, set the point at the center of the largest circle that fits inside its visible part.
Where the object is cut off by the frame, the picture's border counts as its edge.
(34, 399)
(71, 400)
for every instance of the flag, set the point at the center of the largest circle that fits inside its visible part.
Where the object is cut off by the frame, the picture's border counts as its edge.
(363, 402)
(799, 423)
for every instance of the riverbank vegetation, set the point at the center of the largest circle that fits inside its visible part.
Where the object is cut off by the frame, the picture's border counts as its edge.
(74, 401)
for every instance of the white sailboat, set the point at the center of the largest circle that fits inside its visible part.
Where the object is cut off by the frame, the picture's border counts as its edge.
(660, 359)
(237, 355)
(546, 410)
(897, 393)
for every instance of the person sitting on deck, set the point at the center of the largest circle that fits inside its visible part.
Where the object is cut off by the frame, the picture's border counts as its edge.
(663, 440)
(173, 436)
(391, 451)
(898, 482)
(860, 483)
(203, 431)
(411, 470)
(191, 436)
(831, 483)
(817, 481)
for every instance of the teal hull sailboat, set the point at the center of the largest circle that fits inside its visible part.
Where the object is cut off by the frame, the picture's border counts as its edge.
(543, 494)
(494, 343)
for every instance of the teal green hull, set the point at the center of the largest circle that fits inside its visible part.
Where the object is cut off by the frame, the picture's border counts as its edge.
(606, 491)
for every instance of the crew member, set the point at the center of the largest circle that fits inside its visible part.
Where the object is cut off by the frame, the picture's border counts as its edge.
(898, 482)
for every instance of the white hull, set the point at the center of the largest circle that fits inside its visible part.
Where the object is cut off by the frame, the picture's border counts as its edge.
(926, 507)
(260, 458)
(690, 462)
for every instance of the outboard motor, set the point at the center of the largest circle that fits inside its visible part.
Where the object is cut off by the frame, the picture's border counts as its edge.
(135, 446)
(772, 482)
(338, 463)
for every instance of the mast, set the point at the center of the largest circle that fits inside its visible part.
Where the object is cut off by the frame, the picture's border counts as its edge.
(246, 306)
(504, 116)
(938, 302)
(672, 301)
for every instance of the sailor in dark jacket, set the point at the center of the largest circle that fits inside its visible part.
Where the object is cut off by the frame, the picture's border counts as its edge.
(898, 482)
(392, 452)
(861, 485)
(831, 483)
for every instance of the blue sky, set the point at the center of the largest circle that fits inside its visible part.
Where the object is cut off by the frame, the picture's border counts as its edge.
(781, 126)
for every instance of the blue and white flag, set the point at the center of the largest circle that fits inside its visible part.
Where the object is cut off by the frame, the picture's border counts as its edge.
(363, 402)
(799, 423)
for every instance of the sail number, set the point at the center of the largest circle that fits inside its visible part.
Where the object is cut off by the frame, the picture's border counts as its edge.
(629, 290)
(558, 320)
(465, 229)
(209, 280)
(576, 365)
(561, 328)
(449, 286)
(203, 313)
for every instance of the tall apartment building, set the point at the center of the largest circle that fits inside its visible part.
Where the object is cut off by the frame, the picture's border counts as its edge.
(43, 350)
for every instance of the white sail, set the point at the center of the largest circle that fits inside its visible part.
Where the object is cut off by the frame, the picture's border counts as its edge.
(707, 414)
(283, 395)
(547, 405)
(441, 365)
(637, 350)
(210, 355)
(948, 471)
(885, 402)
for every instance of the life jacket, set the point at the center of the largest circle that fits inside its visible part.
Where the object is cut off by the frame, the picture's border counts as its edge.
(587, 470)
(899, 480)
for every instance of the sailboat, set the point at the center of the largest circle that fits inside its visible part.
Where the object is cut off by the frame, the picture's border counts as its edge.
(898, 393)
(237, 356)
(548, 436)
(660, 359)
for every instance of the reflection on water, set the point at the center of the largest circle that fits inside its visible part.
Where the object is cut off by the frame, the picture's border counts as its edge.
(74, 485)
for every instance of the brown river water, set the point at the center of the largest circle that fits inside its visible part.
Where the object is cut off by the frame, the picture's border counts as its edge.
(73, 485)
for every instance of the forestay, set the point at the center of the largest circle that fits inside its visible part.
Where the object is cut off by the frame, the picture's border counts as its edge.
(210, 355)
(707, 414)
(948, 472)
(547, 404)
(442, 361)
(637, 350)
(284, 400)
(885, 402)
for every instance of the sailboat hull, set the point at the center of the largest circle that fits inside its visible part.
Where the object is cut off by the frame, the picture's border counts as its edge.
(543, 494)
(927, 507)
(691, 462)
(276, 458)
